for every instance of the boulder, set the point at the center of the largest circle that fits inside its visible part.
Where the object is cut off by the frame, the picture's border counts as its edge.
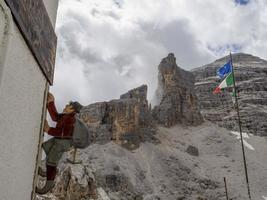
(192, 150)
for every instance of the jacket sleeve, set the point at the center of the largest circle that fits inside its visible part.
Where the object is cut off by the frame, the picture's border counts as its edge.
(55, 131)
(53, 111)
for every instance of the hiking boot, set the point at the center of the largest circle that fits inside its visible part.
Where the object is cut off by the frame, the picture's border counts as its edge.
(49, 185)
(42, 172)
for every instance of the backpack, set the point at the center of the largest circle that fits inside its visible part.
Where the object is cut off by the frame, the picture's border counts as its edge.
(81, 137)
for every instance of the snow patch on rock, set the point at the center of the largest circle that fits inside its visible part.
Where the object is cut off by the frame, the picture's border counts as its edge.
(245, 135)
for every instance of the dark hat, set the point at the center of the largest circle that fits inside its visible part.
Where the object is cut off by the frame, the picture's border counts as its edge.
(76, 105)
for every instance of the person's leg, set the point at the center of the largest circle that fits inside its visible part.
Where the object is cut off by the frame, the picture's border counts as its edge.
(47, 146)
(52, 159)
(51, 172)
(54, 154)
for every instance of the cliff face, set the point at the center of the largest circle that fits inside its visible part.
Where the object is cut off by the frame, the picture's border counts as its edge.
(251, 79)
(129, 120)
(122, 120)
(175, 95)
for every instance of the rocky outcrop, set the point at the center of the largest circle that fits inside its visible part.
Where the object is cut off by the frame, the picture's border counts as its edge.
(177, 102)
(251, 79)
(123, 120)
(73, 182)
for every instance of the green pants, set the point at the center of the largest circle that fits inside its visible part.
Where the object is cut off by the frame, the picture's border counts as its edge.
(54, 149)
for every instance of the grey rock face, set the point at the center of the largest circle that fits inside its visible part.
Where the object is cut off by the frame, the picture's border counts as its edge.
(73, 182)
(177, 99)
(123, 120)
(165, 171)
(94, 116)
(251, 79)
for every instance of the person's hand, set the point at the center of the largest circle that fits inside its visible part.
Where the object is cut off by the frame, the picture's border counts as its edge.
(46, 126)
(50, 97)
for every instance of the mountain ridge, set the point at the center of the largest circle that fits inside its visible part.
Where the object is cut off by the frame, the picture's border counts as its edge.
(235, 56)
(251, 81)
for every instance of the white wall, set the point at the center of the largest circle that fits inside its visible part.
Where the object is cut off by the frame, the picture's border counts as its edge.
(51, 7)
(22, 87)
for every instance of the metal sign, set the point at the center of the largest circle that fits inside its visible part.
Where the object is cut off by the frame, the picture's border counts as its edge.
(34, 23)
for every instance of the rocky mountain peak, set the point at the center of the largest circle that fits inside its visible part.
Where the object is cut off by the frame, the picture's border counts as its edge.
(251, 80)
(169, 61)
(125, 120)
(177, 102)
(240, 60)
(242, 57)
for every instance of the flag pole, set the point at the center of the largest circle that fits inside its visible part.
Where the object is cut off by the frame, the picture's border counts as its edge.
(240, 129)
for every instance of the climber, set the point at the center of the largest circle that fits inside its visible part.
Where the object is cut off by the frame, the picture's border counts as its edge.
(60, 143)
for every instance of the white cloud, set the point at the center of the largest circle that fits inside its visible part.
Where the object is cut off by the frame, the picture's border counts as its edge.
(106, 47)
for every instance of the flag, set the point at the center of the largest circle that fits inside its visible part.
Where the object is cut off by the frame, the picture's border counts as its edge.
(227, 82)
(224, 70)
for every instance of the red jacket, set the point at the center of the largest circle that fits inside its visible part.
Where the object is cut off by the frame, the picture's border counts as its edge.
(65, 122)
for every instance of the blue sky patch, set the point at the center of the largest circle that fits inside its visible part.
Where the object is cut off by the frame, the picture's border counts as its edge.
(242, 2)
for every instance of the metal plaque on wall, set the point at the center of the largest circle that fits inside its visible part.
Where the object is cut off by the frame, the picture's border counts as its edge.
(34, 23)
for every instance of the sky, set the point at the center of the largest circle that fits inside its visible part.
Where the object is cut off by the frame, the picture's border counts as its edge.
(107, 47)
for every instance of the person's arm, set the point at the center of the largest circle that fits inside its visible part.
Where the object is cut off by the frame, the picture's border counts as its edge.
(55, 131)
(52, 108)
(52, 131)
